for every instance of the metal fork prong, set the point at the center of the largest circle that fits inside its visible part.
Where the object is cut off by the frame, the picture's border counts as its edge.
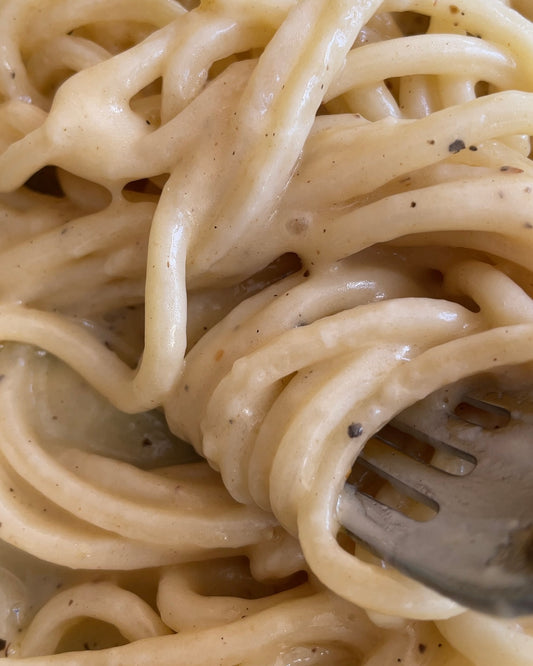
(502, 402)
(478, 549)
(368, 519)
(417, 480)
(489, 407)
(447, 441)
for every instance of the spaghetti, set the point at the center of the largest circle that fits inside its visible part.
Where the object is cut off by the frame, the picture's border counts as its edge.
(229, 232)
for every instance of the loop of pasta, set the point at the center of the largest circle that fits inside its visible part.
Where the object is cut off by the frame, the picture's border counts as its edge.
(268, 221)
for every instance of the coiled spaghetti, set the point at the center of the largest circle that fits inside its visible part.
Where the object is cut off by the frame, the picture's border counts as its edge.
(261, 223)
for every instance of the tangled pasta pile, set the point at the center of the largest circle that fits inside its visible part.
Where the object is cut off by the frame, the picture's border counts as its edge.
(258, 223)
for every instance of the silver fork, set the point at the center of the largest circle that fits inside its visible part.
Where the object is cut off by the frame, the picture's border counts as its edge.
(478, 547)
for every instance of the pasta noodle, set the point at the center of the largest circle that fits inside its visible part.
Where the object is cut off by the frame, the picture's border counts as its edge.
(231, 232)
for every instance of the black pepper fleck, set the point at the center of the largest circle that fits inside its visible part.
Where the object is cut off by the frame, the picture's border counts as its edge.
(456, 146)
(421, 648)
(511, 169)
(355, 430)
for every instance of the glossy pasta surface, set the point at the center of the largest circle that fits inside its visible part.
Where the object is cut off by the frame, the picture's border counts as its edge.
(236, 239)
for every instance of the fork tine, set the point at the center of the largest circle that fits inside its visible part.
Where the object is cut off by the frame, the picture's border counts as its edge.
(508, 402)
(483, 522)
(416, 479)
(368, 519)
(448, 439)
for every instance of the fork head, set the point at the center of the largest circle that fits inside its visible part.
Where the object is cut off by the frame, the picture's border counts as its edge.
(465, 463)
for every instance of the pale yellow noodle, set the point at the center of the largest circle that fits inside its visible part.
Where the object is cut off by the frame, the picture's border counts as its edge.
(230, 230)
